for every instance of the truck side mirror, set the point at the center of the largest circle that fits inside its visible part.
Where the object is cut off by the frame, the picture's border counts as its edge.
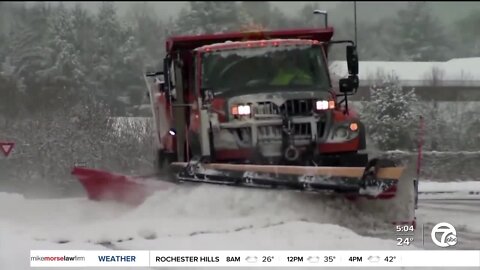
(346, 85)
(352, 60)
(354, 80)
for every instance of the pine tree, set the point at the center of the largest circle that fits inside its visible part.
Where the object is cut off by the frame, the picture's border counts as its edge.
(419, 36)
(107, 40)
(28, 53)
(210, 17)
(148, 31)
(84, 41)
(260, 13)
(467, 35)
(129, 70)
(390, 115)
(279, 20)
(306, 18)
(12, 92)
(64, 79)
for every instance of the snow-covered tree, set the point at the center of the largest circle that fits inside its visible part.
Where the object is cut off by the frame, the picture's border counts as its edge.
(210, 17)
(28, 55)
(390, 115)
(12, 91)
(107, 40)
(467, 34)
(63, 78)
(129, 70)
(264, 16)
(108, 29)
(306, 18)
(419, 36)
(67, 66)
(148, 30)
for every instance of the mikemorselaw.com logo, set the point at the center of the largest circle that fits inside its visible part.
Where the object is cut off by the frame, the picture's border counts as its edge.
(444, 235)
(57, 259)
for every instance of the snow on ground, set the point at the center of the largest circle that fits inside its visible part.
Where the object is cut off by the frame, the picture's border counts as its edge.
(192, 217)
(455, 202)
(15, 248)
(464, 216)
(463, 186)
(459, 190)
(200, 217)
(171, 213)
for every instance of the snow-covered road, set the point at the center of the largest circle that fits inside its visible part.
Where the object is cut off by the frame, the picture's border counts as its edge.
(216, 217)
(463, 214)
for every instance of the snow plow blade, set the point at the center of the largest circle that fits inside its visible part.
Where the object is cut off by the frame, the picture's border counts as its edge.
(376, 181)
(106, 186)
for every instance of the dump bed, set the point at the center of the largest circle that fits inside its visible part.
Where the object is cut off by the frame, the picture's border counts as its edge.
(180, 43)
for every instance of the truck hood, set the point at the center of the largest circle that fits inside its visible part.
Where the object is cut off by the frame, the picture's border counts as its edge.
(278, 98)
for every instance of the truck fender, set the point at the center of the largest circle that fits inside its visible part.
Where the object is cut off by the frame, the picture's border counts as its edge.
(362, 137)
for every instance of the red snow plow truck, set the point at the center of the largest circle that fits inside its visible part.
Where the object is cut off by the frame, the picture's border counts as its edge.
(258, 109)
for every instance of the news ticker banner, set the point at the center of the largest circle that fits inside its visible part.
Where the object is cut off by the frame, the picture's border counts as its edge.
(254, 258)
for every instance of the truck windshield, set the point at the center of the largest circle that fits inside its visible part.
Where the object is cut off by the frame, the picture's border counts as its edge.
(247, 70)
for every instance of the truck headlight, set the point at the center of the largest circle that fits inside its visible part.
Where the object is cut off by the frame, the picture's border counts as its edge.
(241, 110)
(341, 133)
(344, 132)
(322, 105)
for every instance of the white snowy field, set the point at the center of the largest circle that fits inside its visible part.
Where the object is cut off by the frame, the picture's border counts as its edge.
(200, 217)
(464, 190)
(449, 187)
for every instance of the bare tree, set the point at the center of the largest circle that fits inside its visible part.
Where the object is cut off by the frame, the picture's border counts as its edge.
(434, 78)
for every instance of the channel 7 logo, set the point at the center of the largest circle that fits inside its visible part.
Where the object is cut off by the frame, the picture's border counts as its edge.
(448, 235)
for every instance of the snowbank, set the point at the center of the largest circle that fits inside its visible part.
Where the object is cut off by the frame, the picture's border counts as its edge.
(295, 235)
(200, 217)
(175, 213)
(15, 248)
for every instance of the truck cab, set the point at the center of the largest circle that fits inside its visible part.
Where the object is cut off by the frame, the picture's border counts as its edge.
(256, 98)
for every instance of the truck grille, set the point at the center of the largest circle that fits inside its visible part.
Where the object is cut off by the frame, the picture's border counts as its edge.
(300, 131)
(266, 109)
(298, 107)
(294, 107)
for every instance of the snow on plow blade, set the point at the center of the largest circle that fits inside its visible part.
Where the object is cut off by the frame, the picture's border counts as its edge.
(105, 186)
(372, 182)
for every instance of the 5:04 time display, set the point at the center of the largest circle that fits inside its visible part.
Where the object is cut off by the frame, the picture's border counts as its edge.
(404, 228)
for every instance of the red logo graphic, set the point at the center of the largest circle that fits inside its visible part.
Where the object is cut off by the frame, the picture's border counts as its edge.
(6, 147)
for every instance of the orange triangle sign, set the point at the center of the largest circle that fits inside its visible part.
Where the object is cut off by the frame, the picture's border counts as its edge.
(6, 148)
